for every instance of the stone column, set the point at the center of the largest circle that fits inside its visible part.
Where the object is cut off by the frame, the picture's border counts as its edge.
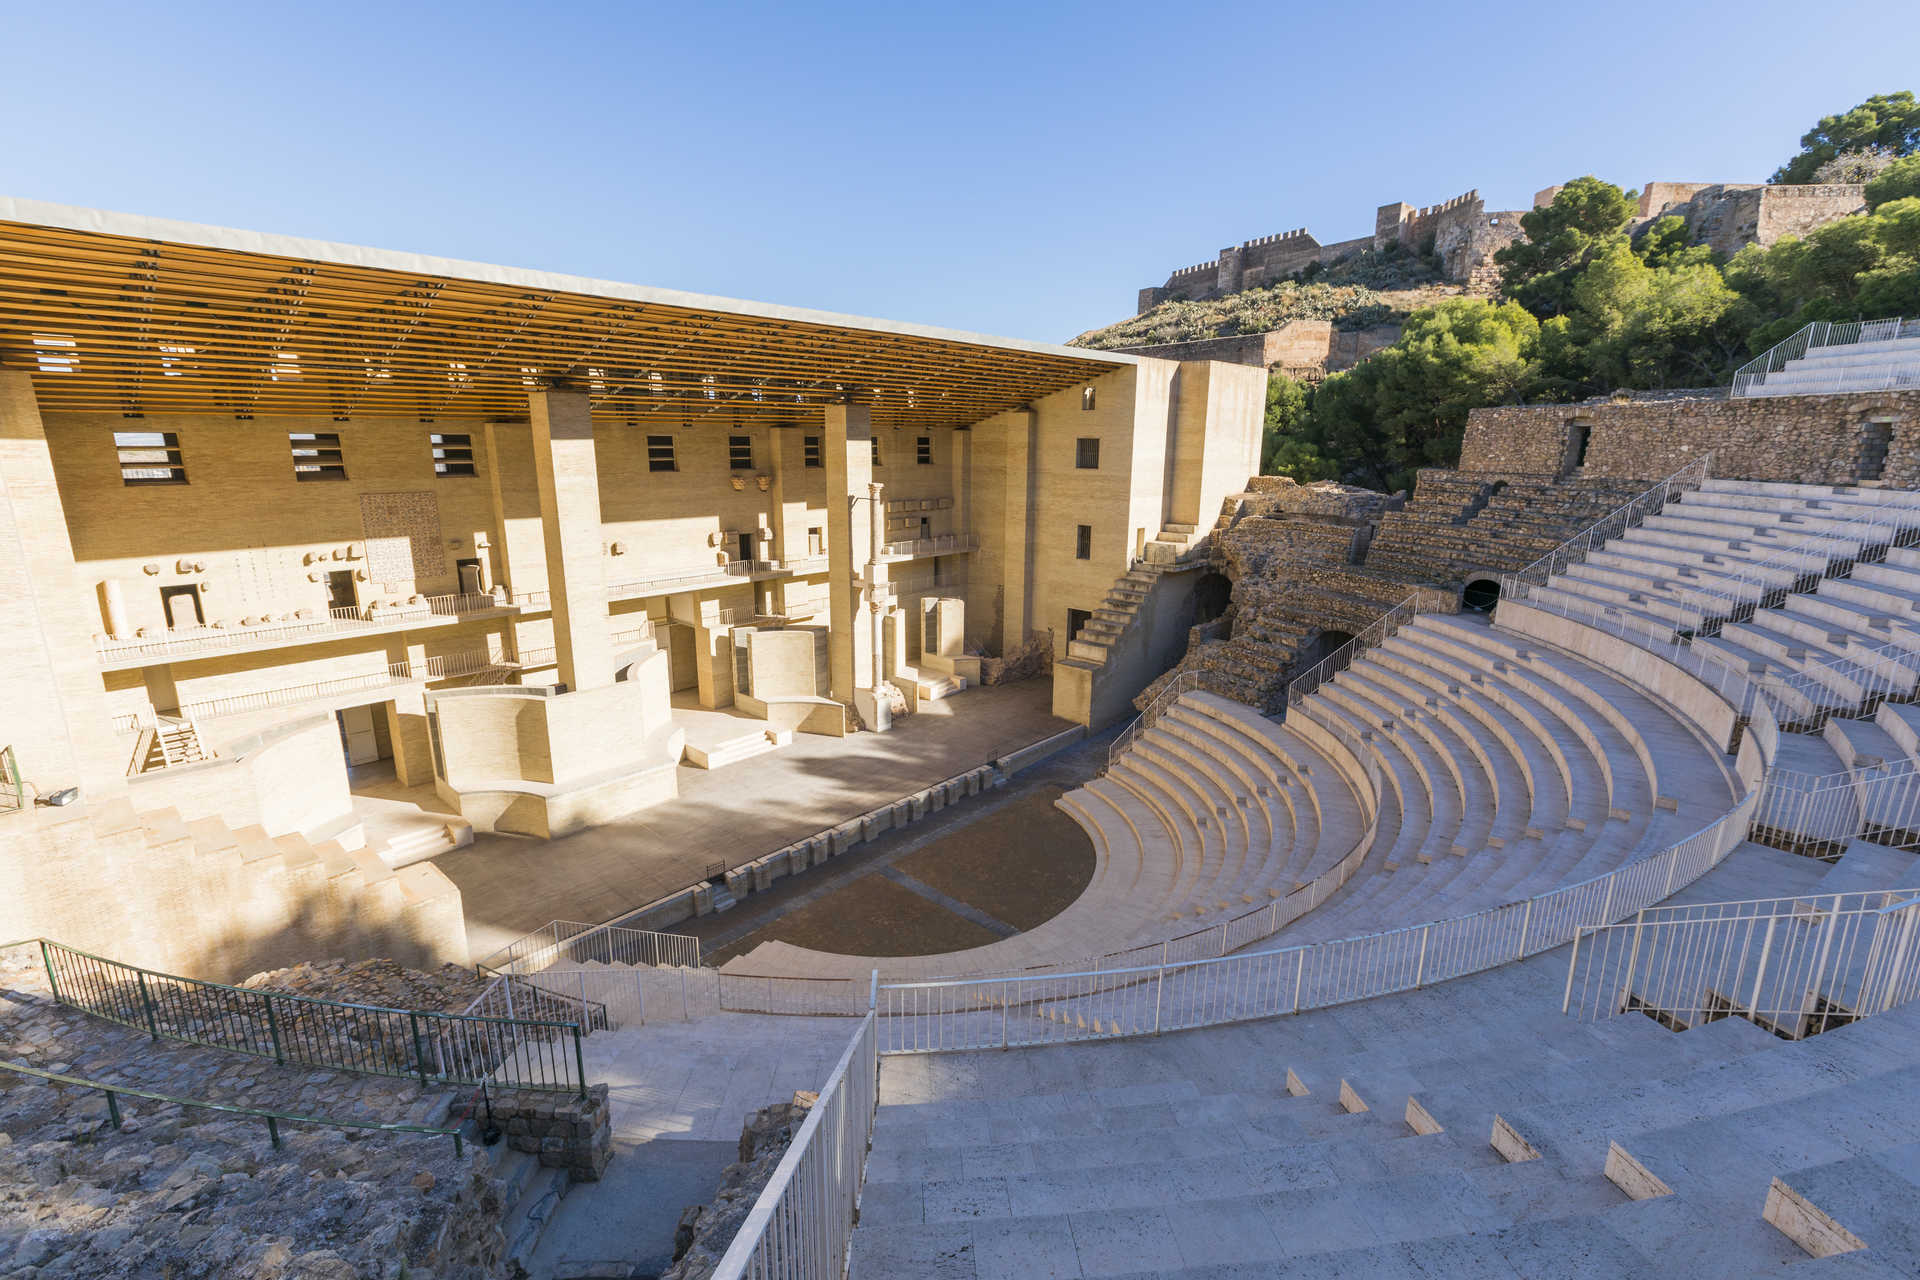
(406, 715)
(50, 684)
(569, 484)
(1017, 562)
(847, 444)
(778, 550)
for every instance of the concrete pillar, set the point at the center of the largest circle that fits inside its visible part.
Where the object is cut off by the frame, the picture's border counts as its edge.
(50, 683)
(406, 717)
(1017, 603)
(569, 482)
(517, 553)
(778, 549)
(847, 444)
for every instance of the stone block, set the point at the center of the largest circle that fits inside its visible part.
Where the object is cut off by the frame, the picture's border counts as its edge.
(1632, 1177)
(1806, 1224)
(1507, 1141)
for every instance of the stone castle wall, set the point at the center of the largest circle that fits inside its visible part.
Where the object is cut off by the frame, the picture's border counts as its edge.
(1460, 231)
(1793, 439)
(1726, 216)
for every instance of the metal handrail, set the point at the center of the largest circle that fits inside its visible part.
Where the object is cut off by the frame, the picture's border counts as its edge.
(1628, 515)
(1820, 333)
(435, 1047)
(1751, 581)
(801, 1224)
(1149, 999)
(336, 622)
(609, 943)
(1795, 966)
(1377, 632)
(115, 1092)
(13, 793)
(439, 667)
(1183, 682)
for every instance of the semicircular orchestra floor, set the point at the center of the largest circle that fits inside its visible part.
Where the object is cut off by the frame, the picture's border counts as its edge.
(988, 869)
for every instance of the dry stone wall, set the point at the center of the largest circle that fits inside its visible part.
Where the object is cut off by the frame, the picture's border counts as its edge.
(1792, 439)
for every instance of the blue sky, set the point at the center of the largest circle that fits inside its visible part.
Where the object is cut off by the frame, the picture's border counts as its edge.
(1016, 169)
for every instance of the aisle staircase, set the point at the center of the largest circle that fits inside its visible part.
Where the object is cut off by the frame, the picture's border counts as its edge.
(1466, 1129)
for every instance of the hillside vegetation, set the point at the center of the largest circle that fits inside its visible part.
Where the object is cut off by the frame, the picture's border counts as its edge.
(1357, 292)
(1588, 305)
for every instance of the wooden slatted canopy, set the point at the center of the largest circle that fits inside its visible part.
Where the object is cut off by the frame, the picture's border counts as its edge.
(119, 313)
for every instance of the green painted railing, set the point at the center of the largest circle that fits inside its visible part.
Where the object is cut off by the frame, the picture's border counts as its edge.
(115, 1092)
(12, 794)
(434, 1047)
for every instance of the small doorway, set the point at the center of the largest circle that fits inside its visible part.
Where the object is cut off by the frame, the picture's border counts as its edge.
(1076, 619)
(1578, 435)
(182, 607)
(746, 547)
(340, 590)
(1875, 439)
(363, 735)
(682, 671)
(926, 529)
(1481, 595)
(469, 571)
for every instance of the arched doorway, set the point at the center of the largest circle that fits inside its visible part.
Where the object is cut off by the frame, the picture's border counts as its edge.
(1211, 596)
(1481, 595)
(1327, 643)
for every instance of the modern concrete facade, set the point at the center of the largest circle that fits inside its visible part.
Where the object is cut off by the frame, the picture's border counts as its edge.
(307, 503)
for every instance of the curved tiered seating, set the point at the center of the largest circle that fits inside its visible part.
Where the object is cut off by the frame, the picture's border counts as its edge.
(1811, 591)
(1562, 764)
(1214, 811)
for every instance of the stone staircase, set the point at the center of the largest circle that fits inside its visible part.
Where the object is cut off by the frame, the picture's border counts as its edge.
(1463, 1129)
(311, 897)
(1860, 366)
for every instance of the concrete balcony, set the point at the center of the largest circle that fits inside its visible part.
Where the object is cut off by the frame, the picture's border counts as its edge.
(946, 544)
(182, 646)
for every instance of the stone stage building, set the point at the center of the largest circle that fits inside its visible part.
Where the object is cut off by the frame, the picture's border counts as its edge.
(277, 507)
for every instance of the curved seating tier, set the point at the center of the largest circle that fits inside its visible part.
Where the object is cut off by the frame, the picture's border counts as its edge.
(1214, 812)
(1538, 769)
(1505, 768)
(1812, 590)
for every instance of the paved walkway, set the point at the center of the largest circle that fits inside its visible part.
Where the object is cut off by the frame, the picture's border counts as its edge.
(512, 886)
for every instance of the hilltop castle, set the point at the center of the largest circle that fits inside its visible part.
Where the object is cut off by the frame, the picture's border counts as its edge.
(1464, 236)
(1459, 231)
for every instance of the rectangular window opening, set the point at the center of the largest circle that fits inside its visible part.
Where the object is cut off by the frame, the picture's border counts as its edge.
(452, 454)
(810, 451)
(923, 450)
(876, 451)
(149, 457)
(316, 455)
(740, 453)
(1083, 542)
(1086, 453)
(660, 454)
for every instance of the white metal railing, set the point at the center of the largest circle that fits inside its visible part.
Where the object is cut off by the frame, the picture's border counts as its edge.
(1375, 633)
(1751, 377)
(1183, 682)
(655, 584)
(945, 544)
(13, 792)
(1822, 814)
(1758, 583)
(571, 942)
(802, 1224)
(439, 667)
(1796, 966)
(1848, 684)
(1005, 1011)
(1628, 515)
(336, 622)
